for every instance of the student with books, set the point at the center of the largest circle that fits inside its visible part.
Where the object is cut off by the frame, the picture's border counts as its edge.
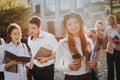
(113, 48)
(41, 43)
(13, 69)
(1, 73)
(73, 52)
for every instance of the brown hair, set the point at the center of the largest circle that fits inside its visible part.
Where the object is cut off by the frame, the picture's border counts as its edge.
(70, 40)
(111, 17)
(35, 20)
(98, 22)
(10, 28)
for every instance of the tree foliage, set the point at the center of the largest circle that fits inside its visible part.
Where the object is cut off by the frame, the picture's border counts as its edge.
(12, 13)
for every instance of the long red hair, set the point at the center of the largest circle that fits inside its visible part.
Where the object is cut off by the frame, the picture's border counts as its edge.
(70, 40)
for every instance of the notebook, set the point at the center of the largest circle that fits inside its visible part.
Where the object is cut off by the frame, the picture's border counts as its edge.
(43, 52)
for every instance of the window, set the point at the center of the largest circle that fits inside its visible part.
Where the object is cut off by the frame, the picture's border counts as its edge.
(49, 7)
(64, 4)
(79, 3)
(97, 0)
(37, 9)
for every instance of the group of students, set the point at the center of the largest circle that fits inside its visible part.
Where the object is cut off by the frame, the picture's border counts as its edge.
(70, 55)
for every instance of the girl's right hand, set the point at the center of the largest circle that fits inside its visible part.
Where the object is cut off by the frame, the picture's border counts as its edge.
(75, 66)
(15, 62)
(12, 63)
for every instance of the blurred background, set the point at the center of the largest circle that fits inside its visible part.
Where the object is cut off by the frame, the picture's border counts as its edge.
(52, 12)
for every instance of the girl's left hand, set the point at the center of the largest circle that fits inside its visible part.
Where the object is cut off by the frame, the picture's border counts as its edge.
(42, 59)
(92, 64)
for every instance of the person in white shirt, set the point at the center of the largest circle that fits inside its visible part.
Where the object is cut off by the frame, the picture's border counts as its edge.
(75, 45)
(43, 67)
(13, 45)
(1, 73)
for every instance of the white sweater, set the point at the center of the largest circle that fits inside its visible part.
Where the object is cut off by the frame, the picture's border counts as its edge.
(64, 58)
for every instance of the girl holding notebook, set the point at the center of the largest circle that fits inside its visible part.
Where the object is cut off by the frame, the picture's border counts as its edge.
(13, 45)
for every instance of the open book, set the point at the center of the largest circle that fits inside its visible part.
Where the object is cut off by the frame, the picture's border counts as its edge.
(115, 34)
(10, 56)
(43, 52)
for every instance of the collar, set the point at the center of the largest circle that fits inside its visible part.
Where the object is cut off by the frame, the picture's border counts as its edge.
(41, 35)
(11, 44)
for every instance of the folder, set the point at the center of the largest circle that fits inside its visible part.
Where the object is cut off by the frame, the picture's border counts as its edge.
(8, 56)
(43, 52)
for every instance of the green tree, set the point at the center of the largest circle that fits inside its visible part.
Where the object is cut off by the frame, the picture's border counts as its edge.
(11, 12)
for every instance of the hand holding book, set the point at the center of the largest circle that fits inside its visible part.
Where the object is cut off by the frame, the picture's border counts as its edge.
(43, 52)
(115, 35)
(92, 61)
(12, 66)
(13, 60)
(42, 59)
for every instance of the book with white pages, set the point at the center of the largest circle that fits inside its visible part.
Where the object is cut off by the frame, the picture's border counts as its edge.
(115, 34)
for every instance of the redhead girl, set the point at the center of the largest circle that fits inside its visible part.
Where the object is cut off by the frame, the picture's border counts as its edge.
(13, 45)
(73, 52)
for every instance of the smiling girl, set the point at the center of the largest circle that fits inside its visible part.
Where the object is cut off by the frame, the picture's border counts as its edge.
(13, 45)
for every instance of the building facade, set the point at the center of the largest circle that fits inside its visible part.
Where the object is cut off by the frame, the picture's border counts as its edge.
(53, 11)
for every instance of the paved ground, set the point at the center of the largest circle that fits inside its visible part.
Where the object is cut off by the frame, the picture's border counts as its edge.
(102, 70)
